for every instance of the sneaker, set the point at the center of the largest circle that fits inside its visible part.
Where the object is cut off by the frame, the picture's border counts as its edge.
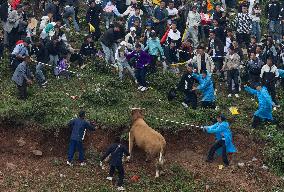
(237, 95)
(144, 89)
(44, 83)
(109, 178)
(69, 163)
(230, 95)
(140, 87)
(121, 188)
(184, 104)
(83, 164)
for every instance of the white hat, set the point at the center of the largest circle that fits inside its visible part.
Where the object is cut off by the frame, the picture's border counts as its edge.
(123, 43)
(132, 29)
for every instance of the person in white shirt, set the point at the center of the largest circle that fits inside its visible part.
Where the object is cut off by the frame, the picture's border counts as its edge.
(120, 57)
(192, 23)
(269, 74)
(130, 38)
(172, 13)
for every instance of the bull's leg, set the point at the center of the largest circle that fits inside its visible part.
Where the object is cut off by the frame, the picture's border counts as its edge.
(131, 142)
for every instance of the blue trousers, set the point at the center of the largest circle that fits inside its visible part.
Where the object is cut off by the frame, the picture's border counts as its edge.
(72, 149)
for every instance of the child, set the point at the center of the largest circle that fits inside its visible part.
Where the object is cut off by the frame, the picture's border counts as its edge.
(116, 152)
(61, 68)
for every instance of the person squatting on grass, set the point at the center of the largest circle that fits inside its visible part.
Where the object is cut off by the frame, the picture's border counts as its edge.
(224, 139)
(79, 126)
(116, 151)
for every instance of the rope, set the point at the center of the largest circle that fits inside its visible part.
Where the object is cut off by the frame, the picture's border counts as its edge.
(55, 67)
(178, 123)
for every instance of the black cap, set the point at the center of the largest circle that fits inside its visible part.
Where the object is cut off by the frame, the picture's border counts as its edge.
(82, 114)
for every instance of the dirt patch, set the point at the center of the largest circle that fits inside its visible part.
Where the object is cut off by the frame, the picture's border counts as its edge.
(188, 149)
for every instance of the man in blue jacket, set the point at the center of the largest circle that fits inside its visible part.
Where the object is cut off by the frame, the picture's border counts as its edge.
(265, 104)
(224, 139)
(116, 152)
(206, 86)
(79, 126)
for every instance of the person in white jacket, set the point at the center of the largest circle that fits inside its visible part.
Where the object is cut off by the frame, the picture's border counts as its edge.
(192, 23)
(120, 57)
(203, 61)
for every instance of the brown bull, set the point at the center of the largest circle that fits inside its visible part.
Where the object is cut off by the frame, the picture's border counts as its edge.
(146, 138)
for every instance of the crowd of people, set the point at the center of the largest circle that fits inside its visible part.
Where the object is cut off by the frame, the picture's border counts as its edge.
(224, 39)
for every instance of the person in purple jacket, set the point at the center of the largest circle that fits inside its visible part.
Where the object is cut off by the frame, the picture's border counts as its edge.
(139, 59)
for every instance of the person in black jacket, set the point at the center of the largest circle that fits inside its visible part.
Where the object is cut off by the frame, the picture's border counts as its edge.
(108, 42)
(116, 152)
(93, 18)
(186, 84)
(53, 7)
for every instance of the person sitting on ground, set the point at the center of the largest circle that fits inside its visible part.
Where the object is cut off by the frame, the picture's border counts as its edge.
(206, 86)
(186, 85)
(78, 126)
(62, 68)
(224, 139)
(116, 152)
(265, 103)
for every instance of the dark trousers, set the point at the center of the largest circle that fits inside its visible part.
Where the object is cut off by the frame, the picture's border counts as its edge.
(254, 78)
(72, 149)
(97, 34)
(208, 104)
(1, 50)
(76, 57)
(243, 38)
(271, 90)
(140, 75)
(215, 147)
(191, 99)
(233, 75)
(257, 121)
(23, 94)
(120, 171)
(160, 29)
(153, 65)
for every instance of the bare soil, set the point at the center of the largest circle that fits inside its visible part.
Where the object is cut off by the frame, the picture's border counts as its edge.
(187, 149)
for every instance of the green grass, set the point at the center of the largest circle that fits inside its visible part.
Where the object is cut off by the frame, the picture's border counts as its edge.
(70, 179)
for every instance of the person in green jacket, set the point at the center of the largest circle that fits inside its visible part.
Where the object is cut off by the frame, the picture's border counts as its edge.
(154, 49)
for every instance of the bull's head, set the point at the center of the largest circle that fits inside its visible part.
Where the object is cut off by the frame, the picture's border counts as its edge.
(136, 113)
